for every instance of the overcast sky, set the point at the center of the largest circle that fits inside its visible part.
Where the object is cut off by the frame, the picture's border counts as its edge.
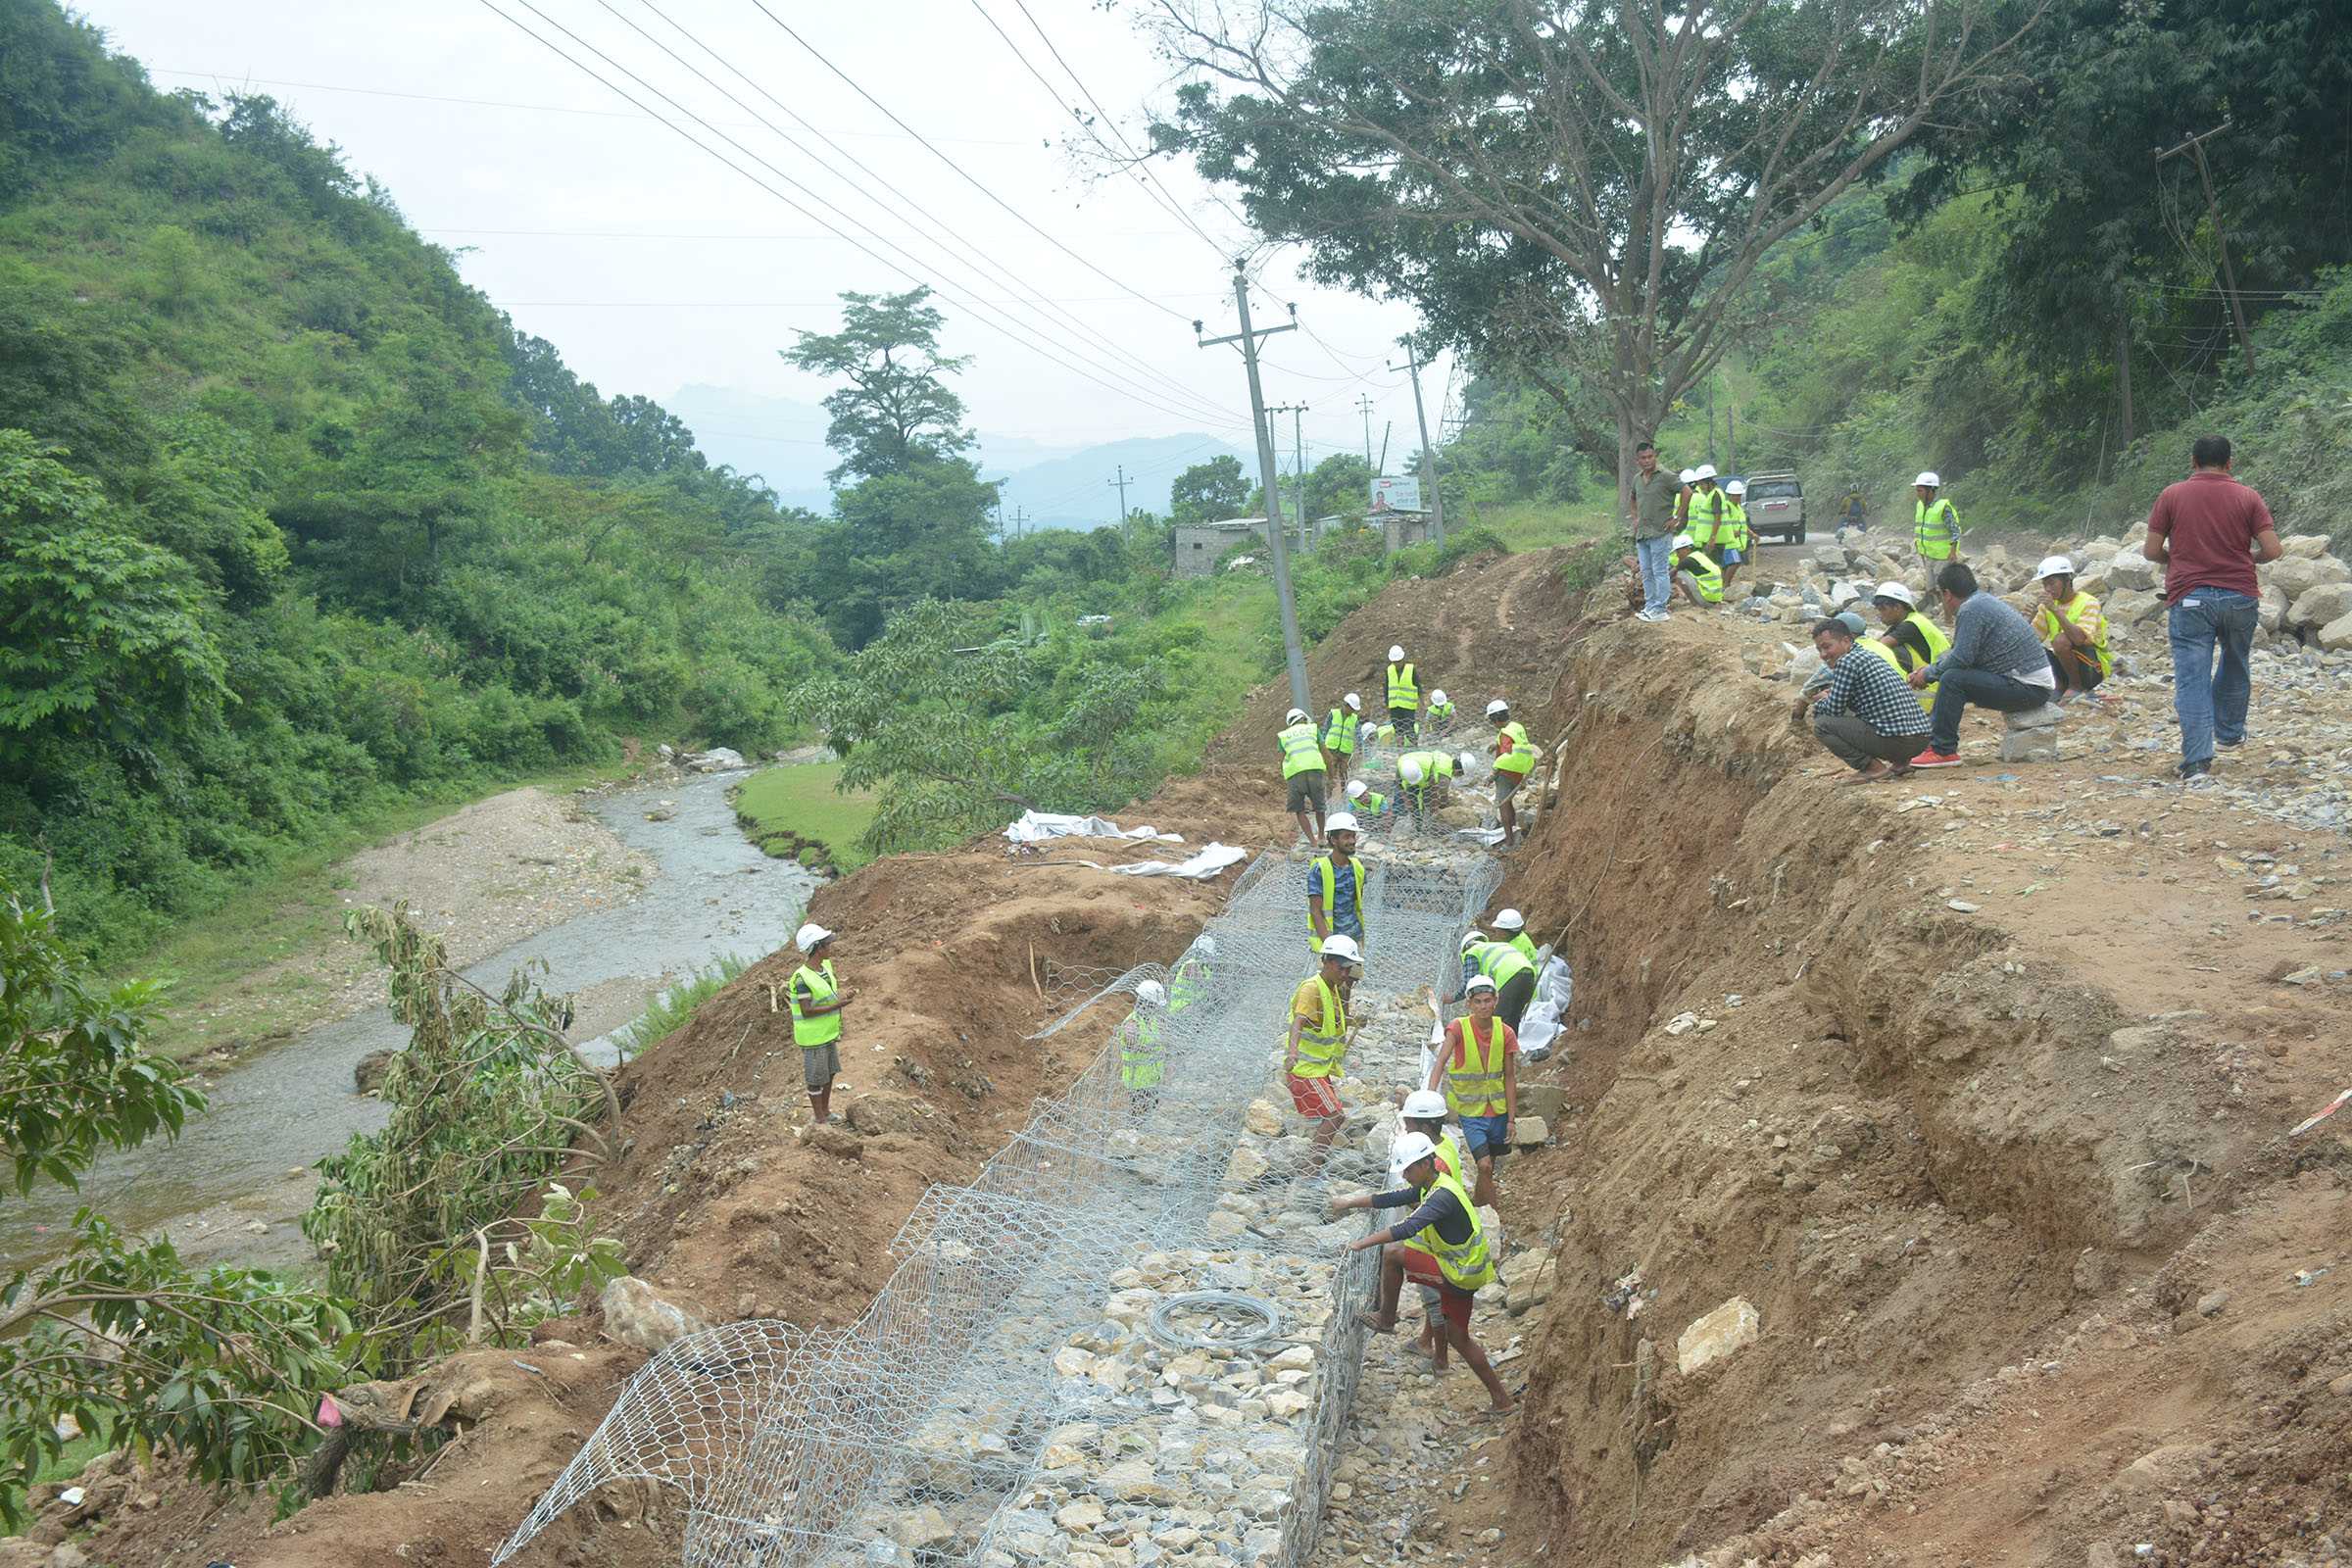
(653, 265)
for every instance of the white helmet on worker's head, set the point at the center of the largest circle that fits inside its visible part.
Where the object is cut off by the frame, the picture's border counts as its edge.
(1928, 480)
(2054, 566)
(1705, 471)
(1340, 822)
(1425, 1105)
(1341, 947)
(1477, 983)
(1737, 487)
(1682, 541)
(1152, 994)
(1296, 715)
(1497, 707)
(1356, 790)
(1411, 1149)
(1897, 591)
(1472, 938)
(1689, 476)
(1437, 699)
(1463, 761)
(1366, 732)
(1509, 920)
(1205, 945)
(1409, 770)
(1395, 654)
(1352, 703)
(810, 936)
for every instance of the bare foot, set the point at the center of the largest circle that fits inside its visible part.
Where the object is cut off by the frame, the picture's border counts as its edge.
(1874, 770)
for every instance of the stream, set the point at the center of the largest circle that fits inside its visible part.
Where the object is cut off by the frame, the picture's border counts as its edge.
(232, 1187)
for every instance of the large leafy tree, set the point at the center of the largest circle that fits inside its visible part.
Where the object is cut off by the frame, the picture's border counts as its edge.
(1207, 492)
(1574, 191)
(896, 410)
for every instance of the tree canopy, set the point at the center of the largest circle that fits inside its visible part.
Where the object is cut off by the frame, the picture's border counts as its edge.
(896, 412)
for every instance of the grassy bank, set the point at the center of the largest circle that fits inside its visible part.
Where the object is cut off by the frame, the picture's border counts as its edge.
(796, 813)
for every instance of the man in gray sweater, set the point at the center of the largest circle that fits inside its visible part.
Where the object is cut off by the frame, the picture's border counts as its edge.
(1995, 661)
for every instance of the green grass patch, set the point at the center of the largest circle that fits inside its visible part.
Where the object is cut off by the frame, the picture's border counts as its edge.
(1541, 524)
(672, 1009)
(788, 809)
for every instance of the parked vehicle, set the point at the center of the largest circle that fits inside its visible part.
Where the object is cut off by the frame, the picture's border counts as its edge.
(1776, 507)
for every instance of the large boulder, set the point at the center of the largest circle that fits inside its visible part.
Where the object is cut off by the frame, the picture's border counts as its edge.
(2317, 606)
(2272, 611)
(637, 1317)
(2305, 546)
(2131, 570)
(2132, 607)
(2337, 635)
(2298, 576)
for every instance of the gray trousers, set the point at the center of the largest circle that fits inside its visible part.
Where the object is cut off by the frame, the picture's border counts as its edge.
(1852, 741)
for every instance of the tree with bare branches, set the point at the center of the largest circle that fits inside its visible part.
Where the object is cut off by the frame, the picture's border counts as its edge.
(1575, 192)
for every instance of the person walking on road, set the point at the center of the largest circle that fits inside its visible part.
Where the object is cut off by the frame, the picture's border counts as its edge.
(1335, 885)
(817, 1000)
(1514, 759)
(1934, 526)
(1339, 742)
(1315, 1046)
(1302, 771)
(2069, 622)
(1459, 1265)
(1651, 512)
(1869, 716)
(2206, 532)
(1404, 693)
(1995, 662)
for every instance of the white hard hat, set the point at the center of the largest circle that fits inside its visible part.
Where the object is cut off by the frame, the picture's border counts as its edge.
(1408, 770)
(1366, 731)
(1929, 479)
(809, 936)
(1895, 591)
(1478, 982)
(1411, 1149)
(1356, 790)
(1463, 761)
(1509, 920)
(1354, 704)
(1343, 946)
(1472, 938)
(1706, 471)
(1205, 945)
(1689, 476)
(1682, 541)
(1437, 699)
(1294, 715)
(1738, 487)
(1497, 705)
(2054, 566)
(1395, 654)
(1340, 822)
(1152, 994)
(1425, 1105)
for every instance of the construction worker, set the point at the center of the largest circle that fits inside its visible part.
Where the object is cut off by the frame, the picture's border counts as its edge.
(1440, 708)
(1404, 695)
(1193, 972)
(1338, 740)
(1511, 928)
(1335, 885)
(1455, 1244)
(1697, 577)
(2069, 622)
(1681, 500)
(1425, 777)
(1934, 526)
(1514, 759)
(1731, 537)
(1303, 773)
(1315, 1046)
(1912, 637)
(1512, 971)
(1364, 801)
(1142, 1052)
(1706, 510)
(1424, 1112)
(817, 1000)
(1477, 1070)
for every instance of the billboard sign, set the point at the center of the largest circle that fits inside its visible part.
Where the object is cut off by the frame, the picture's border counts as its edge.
(1395, 493)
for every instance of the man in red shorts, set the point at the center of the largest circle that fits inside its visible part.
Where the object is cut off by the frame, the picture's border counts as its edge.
(1316, 1050)
(1455, 1258)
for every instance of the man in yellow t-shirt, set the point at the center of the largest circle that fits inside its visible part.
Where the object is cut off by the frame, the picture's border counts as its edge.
(2070, 621)
(1315, 1043)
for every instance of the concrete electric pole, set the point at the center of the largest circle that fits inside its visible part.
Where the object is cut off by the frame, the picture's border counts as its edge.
(1363, 405)
(1268, 477)
(1297, 466)
(2196, 146)
(1120, 484)
(1429, 454)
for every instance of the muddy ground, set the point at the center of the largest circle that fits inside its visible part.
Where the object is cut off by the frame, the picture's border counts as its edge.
(2008, 1185)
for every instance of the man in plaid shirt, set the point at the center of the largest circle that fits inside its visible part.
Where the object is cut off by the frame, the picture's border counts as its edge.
(1869, 714)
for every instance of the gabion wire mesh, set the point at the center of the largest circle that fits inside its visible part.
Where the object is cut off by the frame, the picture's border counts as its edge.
(931, 1427)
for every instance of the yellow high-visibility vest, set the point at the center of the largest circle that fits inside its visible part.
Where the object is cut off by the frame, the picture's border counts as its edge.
(1404, 693)
(1935, 528)
(1474, 1085)
(1322, 1045)
(1521, 757)
(814, 987)
(1465, 1263)
(1339, 732)
(1299, 753)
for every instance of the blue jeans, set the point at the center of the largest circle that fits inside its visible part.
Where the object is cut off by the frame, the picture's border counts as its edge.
(1483, 1136)
(1955, 689)
(1656, 556)
(2211, 704)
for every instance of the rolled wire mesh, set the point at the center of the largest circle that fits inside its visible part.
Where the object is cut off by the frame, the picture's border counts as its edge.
(1005, 1361)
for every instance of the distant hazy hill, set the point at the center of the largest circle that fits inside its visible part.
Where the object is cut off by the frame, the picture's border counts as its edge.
(1075, 491)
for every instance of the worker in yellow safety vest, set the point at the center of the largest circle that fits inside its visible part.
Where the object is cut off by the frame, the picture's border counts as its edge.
(1732, 535)
(1338, 740)
(1440, 708)
(1512, 927)
(1424, 1112)
(1364, 801)
(1477, 1067)
(1302, 771)
(1335, 885)
(1708, 510)
(1404, 695)
(1935, 526)
(1314, 1049)
(817, 998)
(1514, 759)
(1697, 577)
(1193, 972)
(1141, 1050)
(1451, 1256)
(1910, 636)
(1512, 971)
(1426, 776)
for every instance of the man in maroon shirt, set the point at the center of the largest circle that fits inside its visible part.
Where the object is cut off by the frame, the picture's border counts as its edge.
(2206, 532)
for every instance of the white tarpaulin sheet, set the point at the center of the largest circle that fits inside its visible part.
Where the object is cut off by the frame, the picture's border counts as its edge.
(1202, 866)
(1540, 1025)
(1036, 827)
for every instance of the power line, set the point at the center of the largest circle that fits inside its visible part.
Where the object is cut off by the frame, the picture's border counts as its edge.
(1134, 393)
(797, 305)
(615, 233)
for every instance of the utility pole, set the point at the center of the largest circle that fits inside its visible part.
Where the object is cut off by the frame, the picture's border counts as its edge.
(1363, 405)
(1731, 437)
(1429, 454)
(1268, 476)
(1020, 515)
(1120, 484)
(2195, 145)
(1388, 427)
(1710, 423)
(2123, 360)
(1298, 466)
